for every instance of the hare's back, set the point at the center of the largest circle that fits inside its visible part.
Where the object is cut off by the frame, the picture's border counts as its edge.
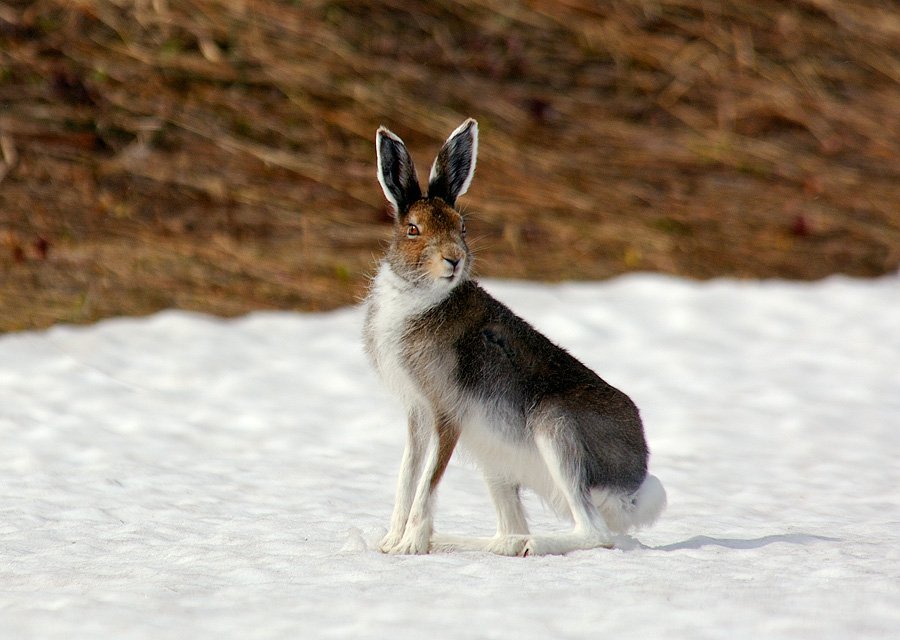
(502, 352)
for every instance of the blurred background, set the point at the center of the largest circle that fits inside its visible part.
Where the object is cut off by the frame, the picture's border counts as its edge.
(218, 155)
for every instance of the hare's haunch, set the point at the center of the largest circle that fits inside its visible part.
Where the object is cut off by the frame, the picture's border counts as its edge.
(470, 371)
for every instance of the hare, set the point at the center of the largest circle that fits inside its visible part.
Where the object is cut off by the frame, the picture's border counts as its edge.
(470, 371)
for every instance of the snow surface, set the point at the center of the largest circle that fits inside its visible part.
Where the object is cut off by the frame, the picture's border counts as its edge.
(180, 476)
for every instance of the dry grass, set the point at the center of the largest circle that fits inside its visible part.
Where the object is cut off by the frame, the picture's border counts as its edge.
(218, 155)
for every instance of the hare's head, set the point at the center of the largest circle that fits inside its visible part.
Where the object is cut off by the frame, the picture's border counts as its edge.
(428, 248)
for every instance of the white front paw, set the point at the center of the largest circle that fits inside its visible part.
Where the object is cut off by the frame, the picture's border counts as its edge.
(414, 542)
(390, 542)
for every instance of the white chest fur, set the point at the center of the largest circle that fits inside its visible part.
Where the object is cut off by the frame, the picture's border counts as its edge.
(392, 304)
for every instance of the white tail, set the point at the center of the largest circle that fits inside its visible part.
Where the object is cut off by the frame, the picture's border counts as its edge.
(625, 513)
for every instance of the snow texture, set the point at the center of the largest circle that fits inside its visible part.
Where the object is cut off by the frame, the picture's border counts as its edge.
(180, 476)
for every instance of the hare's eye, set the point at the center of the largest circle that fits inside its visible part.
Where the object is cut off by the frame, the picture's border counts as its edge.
(412, 231)
(462, 229)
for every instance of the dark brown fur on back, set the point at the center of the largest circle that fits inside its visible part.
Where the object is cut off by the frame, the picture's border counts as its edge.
(504, 363)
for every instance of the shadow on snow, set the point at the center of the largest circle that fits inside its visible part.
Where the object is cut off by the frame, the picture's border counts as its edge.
(698, 542)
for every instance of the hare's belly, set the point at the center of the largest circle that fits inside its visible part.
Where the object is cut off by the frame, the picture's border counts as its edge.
(501, 449)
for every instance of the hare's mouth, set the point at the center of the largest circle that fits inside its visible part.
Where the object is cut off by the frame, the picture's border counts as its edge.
(452, 268)
(453, 276)
(446, 270)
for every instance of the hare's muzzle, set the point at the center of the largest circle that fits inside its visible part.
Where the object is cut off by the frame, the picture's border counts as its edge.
(452, 262)
(452, 266)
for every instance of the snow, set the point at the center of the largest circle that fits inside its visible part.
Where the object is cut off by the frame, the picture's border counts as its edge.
(191, 477)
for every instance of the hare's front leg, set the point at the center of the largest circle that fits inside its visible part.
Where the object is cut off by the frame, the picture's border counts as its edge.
(410, 470)
(416, 537)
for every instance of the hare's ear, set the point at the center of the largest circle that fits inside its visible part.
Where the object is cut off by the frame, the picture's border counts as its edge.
(452, 171)
(396, 171)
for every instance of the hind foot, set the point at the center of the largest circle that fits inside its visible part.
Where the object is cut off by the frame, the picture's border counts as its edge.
(556, 545)
(507, 545)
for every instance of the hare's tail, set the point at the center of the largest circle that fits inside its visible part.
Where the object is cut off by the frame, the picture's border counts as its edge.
(626, 512)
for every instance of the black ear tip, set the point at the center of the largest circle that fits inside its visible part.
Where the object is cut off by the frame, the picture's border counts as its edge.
(470, 127)
(466, 136)
(386, 136)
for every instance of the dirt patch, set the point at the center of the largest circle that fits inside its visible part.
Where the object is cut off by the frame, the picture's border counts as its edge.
(218, 156)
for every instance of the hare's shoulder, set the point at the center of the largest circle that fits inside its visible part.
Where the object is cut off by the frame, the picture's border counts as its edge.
(500, 342)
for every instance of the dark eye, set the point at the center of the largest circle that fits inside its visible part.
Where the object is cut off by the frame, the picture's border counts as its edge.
(462, 229)
(412, 231)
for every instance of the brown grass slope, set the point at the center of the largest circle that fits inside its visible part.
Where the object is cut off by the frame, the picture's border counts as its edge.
(217, 155)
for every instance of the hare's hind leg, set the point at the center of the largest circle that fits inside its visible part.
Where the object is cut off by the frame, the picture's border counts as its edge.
(510, 515)
(512, 527)
(590, 530)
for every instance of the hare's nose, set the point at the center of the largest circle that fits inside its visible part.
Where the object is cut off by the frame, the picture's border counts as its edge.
(452, 262)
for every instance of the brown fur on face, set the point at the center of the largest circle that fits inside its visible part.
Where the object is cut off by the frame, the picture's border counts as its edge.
(424, 257)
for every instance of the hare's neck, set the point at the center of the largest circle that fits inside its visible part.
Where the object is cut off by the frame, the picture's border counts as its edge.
(400, 299)
(392, 304)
